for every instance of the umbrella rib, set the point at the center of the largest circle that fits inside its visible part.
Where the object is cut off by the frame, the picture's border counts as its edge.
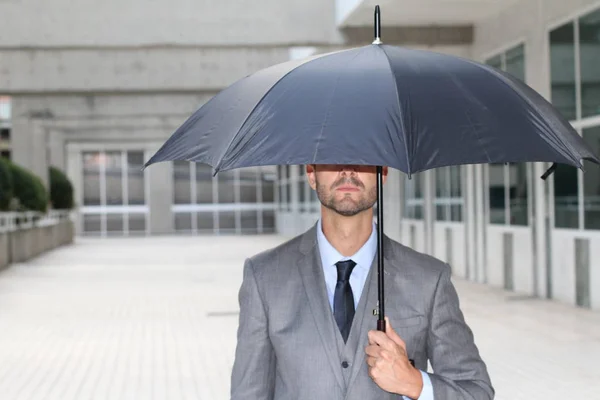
(506, 81)
(408, 163)
(306, 62)
(329, 110)
(218, 166)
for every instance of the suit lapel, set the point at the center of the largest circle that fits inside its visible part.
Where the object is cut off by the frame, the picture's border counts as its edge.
(311, 271)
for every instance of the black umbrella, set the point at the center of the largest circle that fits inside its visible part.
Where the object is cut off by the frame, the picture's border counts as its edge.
(378, 105)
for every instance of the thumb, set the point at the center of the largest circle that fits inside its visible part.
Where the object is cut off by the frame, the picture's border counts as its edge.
(391, 333)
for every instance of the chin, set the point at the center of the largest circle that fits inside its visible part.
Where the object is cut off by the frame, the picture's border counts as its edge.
(347, 213)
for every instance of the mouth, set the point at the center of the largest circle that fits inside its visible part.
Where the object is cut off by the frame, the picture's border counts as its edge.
(347, 188)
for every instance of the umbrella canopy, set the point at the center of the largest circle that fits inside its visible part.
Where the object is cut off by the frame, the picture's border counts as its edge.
(377, 105)
(411, 110)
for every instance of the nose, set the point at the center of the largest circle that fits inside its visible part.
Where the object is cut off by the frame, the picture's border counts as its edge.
(348, 168)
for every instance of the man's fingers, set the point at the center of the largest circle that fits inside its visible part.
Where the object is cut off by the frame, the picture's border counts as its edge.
(381, 339)
(373, 350)
(371, 361)
(391, 333)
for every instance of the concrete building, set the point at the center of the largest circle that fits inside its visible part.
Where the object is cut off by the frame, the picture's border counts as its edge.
(96, 87)
(496, 224)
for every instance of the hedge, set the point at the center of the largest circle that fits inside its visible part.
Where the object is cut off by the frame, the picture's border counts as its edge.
(6, 185)
(28, 189)
(61, 190)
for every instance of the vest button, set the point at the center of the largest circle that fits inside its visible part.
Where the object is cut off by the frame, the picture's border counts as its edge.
(345, 364)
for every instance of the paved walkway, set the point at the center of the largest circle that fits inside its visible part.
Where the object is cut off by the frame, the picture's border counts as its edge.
(156, 318)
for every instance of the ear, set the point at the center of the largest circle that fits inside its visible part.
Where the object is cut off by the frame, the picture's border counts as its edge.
(310, 175)
(384, 174)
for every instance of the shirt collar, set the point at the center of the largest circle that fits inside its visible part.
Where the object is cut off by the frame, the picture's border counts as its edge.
(363, 257)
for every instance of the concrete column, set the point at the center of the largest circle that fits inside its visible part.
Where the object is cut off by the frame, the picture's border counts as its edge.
(481, 226)
(74, 171)
(160, 180)
(56, 150)
(538, 77)
(29, 143)
(470, 221)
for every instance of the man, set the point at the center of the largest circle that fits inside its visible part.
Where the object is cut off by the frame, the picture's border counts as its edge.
(307, 329)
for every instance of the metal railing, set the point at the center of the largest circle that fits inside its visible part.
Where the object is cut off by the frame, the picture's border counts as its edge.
(14, 221)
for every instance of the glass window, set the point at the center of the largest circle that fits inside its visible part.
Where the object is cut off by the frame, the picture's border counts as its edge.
(205, 221)
(456, 193)
(566, 204)
(249, 221)
(91, 179)
(448, 190)
(495, 62)
(591, 182)
(114, 178)
(413, 197)
(135, 178)
(227, 221)
(497, 195)
(268, 221)
(114, 224)
(204, 183)
(137, 223)
(302, 189)
(442, 194)
(92, 223)
(5, 108)
(268, 179)
(515, 62)
(249, 184)
(183, 221)
(281, 187)
(182, 192)
(589, 49)
(562, 70)
(288, 187)
(226, 181)
(518, 209)
(563, 48)
(508, 204)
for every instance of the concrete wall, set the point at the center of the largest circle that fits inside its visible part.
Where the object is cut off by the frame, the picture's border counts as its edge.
(63, 23)
(25, 244)
(122, 70)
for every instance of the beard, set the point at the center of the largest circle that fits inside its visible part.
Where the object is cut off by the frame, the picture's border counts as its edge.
(346, 206)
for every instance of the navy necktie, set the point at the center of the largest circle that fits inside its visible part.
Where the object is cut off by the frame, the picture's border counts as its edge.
(343, 299)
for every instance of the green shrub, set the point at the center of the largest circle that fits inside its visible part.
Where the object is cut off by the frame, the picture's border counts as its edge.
(6, 185)
(28, 189)
(61, 190)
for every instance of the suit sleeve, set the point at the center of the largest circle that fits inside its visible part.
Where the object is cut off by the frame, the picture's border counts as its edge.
(253, 375)
(459, 371)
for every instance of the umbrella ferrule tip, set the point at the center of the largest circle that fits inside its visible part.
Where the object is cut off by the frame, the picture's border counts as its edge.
(377, 41)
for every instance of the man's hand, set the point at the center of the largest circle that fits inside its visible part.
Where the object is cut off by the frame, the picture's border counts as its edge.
(389, 366)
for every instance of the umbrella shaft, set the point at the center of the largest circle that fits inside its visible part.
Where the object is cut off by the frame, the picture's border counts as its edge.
(380, 321)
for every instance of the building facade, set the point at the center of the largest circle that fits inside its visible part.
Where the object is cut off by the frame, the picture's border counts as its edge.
(500, 224)
(95, 87)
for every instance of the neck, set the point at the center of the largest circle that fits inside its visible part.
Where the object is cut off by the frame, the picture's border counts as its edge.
(347, 234)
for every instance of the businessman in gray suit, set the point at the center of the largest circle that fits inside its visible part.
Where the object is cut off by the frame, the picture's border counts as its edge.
(307, 328)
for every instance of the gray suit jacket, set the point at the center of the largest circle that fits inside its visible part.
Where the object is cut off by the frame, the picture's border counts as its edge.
(288, 341)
